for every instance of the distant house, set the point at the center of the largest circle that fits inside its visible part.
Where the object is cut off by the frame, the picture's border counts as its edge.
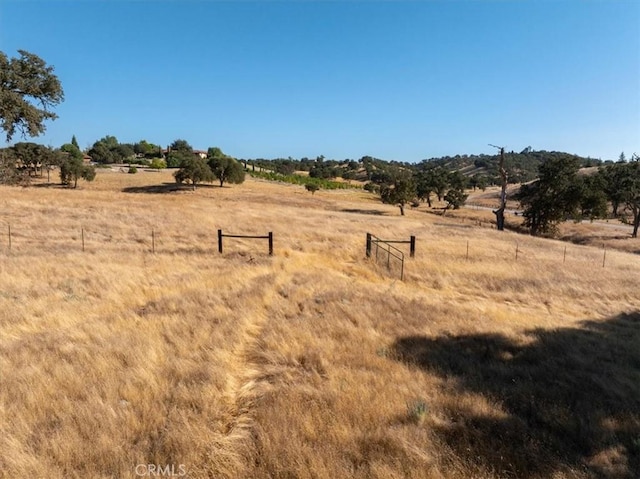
(86, 159)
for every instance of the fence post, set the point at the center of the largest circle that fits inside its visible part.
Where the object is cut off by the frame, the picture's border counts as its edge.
(564, 256)
(604, 256)
(517, 245)
(220, 241)
(83, 239)
(153, 241)
(270, 243)
(412, 247)
(368, 245)
(9, 237)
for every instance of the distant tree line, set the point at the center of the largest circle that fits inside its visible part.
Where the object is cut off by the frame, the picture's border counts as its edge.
(561, 193)
(194, 169)
(26, 160)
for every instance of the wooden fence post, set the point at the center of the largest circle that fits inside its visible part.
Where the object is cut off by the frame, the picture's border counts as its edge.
(9, 237)
(412, 248)
(220, 241)
(83, 239)
(153, 241)
(368, 245)
(270, 243)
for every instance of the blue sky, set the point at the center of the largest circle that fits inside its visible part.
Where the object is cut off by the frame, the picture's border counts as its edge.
(392, 79)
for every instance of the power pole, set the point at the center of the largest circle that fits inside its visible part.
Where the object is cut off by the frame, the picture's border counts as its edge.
(503, 193)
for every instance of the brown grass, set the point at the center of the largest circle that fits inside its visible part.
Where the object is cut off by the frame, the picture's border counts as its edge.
(314, 362)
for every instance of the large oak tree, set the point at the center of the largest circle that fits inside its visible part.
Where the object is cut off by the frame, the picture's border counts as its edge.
(28, 91)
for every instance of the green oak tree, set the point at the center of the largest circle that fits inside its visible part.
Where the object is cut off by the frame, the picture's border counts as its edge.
(72, 166)
(225, 168)
(554, 197)
(400, 190)
(194, 170)
(28, 91)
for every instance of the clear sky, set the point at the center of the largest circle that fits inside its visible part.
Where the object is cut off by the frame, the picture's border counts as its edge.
(398, 80)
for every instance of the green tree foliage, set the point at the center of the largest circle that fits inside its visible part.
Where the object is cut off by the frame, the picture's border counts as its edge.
(593, 200)
(179, 151)
(614, 179)
(108, 150)
(31, 159)
(305, 180)
(312, 187)
(324, 169)
(124, 152)
(158, 164)
(30, 156)
(553, 198)
(28, 91)
(400, 191)
(431, 180)
(632, 192)
(194, 170)
(181, 145)
(225, 168)
(101, 153)
(9, 173)
(72, 151)
(146, 149)
(74, 142)
(627, 192)
(455, 196)
(72, 166)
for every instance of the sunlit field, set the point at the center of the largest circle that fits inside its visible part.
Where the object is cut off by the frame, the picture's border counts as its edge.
(129, 347)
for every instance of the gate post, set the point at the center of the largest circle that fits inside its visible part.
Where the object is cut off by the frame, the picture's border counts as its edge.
(368, 245)
(220, 241)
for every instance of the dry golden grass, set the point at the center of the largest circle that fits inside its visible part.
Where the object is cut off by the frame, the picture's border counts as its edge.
(314, 362)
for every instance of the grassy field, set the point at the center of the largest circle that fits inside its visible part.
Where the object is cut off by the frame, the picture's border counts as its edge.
(116, 362)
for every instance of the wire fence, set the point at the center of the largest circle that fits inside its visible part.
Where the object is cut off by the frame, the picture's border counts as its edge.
(51, 239)
(386, 254)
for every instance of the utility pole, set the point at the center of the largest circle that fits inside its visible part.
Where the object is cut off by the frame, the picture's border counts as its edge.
(503, 193)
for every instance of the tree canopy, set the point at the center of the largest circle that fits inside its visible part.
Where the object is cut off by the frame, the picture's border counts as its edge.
(109, 150)
(72, 166)
(179, 152)
(224, 167)
(28, 91)
(553, 197)
(400, 190)
(194, 170)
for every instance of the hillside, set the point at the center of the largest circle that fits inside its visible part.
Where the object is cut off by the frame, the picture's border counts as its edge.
(521, 167)
(315, 362)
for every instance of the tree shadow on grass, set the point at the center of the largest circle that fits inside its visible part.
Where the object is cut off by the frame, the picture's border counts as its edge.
(364, 211)
(164, 188)
(50, 185)
(571, 398)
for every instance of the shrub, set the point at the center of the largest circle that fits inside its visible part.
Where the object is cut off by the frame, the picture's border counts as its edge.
(302, 180)
(132, 170)
(372, 187)
(158, 164)
(312, 187)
